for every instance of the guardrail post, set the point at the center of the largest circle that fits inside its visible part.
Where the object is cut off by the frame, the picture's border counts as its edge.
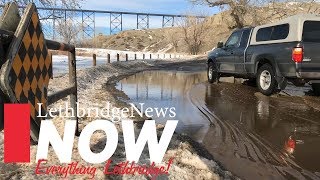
(127, 57)
(108, 58)
(73, 80)
(94, 63)
(118, 57)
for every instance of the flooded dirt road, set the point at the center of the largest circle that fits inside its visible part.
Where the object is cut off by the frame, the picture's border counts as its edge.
(251, 135)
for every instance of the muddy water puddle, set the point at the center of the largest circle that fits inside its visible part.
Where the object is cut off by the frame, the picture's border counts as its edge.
(160, 89)
(252, 135)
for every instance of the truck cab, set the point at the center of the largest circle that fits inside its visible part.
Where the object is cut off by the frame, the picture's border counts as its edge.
(230, 55)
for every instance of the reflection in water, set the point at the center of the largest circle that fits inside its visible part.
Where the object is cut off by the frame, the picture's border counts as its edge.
(160, 89)
(290, 145)
(254, 136)
(279, 134)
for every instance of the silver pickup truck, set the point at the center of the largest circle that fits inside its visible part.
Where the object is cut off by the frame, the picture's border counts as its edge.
(271, 55)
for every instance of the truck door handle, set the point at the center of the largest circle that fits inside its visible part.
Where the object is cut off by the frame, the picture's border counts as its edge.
(231, 52)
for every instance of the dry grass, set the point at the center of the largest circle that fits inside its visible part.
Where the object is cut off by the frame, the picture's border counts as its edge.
(160, 40)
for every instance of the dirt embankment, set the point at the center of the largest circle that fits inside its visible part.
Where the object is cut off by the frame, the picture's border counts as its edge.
(191, 160)
(218, 28)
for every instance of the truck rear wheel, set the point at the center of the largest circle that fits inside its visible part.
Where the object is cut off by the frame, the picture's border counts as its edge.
(266, 80)
(316, 88)
(213, 75)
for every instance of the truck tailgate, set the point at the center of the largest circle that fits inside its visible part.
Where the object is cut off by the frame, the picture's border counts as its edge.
(310, 66)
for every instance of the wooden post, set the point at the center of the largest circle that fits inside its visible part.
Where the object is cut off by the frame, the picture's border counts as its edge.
(72, 89)
(158, 56)
(135, 56)
(170, 56)
(127, 57)
(108, 58)
(73, 81)
(118, 57)
(164, 56)
(143, 56)
(150, 56)
(94, 57)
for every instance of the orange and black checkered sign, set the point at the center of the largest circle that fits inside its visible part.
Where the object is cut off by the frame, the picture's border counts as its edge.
(30, 65)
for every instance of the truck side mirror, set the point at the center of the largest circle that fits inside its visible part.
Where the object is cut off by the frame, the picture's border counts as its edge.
(220, 44)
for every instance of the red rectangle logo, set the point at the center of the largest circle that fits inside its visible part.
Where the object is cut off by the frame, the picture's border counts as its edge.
(16, 133)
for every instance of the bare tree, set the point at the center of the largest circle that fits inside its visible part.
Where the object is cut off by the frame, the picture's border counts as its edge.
(64, 24)
(174, 40)
(313, 7)
(68, 31)
(238, 8)
(193, 29)
(277, 10)
(49, 3)
(260, 11)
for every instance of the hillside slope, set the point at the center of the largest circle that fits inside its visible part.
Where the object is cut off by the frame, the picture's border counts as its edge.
(218, 28)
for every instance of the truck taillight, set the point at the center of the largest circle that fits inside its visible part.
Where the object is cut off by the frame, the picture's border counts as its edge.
(297, 54)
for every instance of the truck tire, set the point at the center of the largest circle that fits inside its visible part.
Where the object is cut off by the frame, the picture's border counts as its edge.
(316, 88)
(266, 80)
(213, 75)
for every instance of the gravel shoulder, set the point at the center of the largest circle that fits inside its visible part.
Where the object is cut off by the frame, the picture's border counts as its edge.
(95, 88)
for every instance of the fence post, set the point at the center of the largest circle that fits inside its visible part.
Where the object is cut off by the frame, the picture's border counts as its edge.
(135, 56)
(108, 58)
(94, 56)
(118, 57)
(143, 56)
(170, 56)
(127, 57)
(158, 56)
(150, 56)
(73, 80)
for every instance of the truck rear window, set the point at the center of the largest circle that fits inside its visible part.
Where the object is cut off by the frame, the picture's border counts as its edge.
(273, 33)
(311, 31)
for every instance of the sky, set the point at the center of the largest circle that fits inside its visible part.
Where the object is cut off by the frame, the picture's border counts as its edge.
(150, 6)
(174, 7)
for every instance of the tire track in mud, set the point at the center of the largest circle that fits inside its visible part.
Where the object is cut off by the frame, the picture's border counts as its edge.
(235, 145)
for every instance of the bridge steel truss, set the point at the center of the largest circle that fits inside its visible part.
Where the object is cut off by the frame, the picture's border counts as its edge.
(168, 21)
(84, 21)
